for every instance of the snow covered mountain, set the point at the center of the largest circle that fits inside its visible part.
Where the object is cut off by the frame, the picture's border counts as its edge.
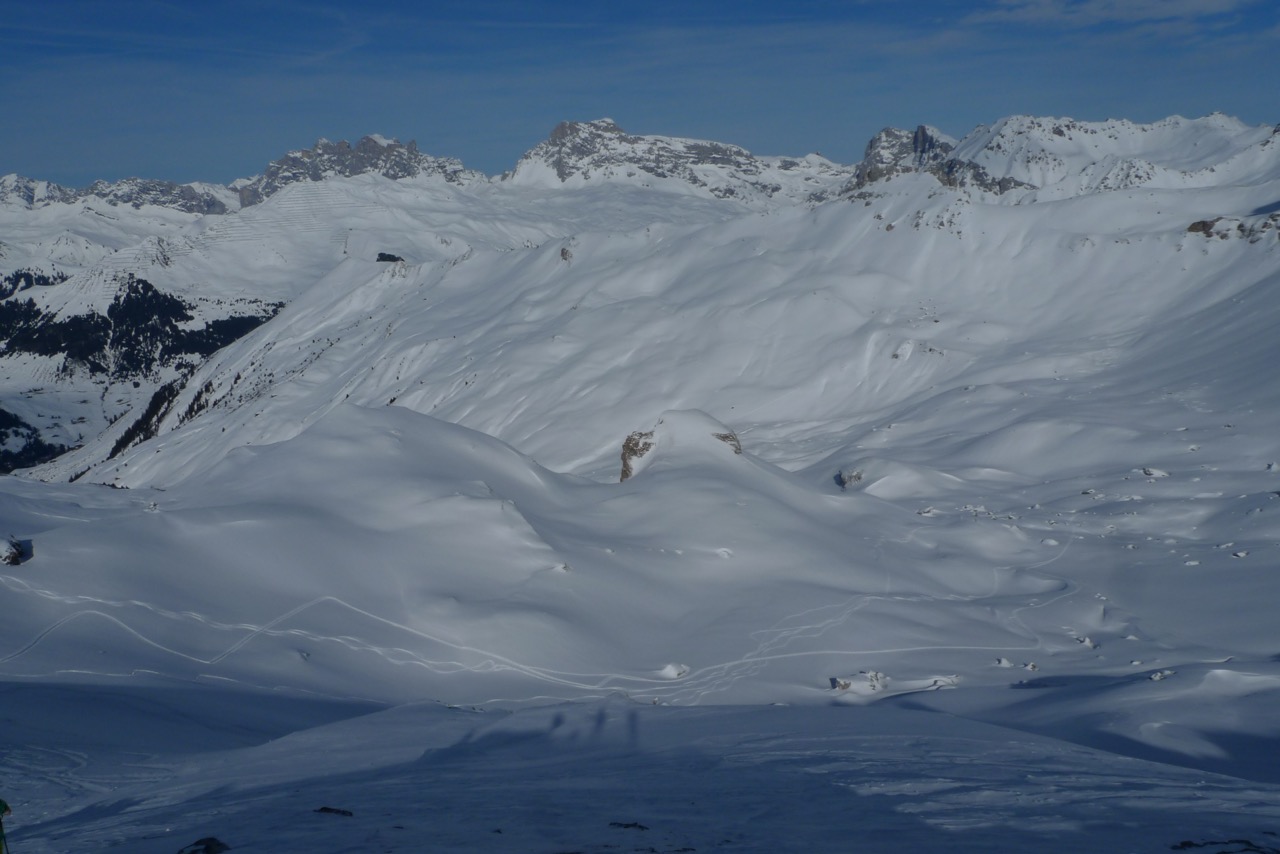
(578, 153)
(1059, 158)
(979, 437)
(199, 198)
(223, 267)
(371, 155)
(121, 297)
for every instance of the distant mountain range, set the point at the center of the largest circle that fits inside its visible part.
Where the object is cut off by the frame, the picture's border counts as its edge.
(1019, 152)
(116, 295)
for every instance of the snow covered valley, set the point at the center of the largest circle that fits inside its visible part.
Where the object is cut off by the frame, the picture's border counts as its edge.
(899, 509)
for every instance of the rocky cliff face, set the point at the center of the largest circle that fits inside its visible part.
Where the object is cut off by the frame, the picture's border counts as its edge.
(928, 151)
(1057, 157)
(136, 192)
(31, 193)
(580, 148)
(326, 159)
(600, 151)
(895, 152)
(132, 192)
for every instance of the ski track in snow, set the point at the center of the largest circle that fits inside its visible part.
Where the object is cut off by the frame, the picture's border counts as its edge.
(690, 688)
(361, 513)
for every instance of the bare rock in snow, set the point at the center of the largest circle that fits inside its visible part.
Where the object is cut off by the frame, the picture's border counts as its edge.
(677, 431)
(634, 447)
(208, 845)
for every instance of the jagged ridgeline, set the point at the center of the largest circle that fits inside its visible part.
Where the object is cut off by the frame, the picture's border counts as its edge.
(118, 300)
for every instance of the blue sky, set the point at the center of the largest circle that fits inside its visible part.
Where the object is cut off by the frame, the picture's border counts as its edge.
(214, 90)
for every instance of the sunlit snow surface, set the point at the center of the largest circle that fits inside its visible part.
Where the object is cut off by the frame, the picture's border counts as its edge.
(995, 568)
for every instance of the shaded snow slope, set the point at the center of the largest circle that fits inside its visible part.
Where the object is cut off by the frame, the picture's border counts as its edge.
(598, 777)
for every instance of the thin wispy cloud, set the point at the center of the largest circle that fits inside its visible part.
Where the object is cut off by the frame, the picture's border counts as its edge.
(1089, 13)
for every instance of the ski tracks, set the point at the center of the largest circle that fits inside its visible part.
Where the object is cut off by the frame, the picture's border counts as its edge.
(692, 687)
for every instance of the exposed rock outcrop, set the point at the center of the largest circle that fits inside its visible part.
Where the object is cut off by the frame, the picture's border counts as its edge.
(326, 159)
(132, 192)
(685, 434)
(601, 151)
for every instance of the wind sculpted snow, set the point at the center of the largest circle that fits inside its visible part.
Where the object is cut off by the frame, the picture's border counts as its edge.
(965, 503)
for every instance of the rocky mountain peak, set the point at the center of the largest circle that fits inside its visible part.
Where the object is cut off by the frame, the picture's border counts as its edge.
(929, 151)
(573, 130)
(30, 193)
(894, 151)
(1063, 156)
(136, 192)
(133, 192)
(926, 150)
(575, 146)
(601, 151)
(326, 159)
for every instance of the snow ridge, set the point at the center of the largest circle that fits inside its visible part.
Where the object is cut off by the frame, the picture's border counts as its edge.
(197, 198)
(1060, 157)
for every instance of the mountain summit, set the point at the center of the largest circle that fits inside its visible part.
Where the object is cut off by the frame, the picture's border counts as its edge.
(372, 154)
(583, 153)
(1062, 157)
(122, 292)
(197, 198)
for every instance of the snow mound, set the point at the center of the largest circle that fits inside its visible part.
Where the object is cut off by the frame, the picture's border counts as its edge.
(681, 437)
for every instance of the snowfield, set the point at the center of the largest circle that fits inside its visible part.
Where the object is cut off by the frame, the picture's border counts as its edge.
(627, 513)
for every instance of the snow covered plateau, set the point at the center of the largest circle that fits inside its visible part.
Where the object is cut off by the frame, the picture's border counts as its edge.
(652, 496)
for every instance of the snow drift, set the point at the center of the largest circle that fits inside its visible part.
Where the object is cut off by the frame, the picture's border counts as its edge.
(989, 429)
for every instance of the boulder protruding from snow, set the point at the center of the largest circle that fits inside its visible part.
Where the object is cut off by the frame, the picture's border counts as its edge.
(679, 431)
(208, 845)
(11, 552)
(634, 447)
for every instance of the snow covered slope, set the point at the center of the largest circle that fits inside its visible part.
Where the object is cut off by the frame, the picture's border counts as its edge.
(804, 328)
(993, 478)
(71, 259)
